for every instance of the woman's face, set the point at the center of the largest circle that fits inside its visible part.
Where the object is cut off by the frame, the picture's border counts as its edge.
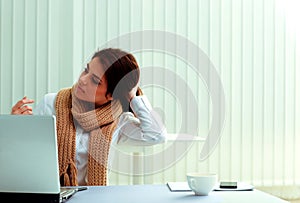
(92, 84)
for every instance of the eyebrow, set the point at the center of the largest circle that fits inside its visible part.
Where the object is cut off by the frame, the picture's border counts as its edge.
(88, 67)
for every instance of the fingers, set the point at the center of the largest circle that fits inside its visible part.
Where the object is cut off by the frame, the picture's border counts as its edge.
(21, 107)
(139, 92)
(24, 110)
(132, 93)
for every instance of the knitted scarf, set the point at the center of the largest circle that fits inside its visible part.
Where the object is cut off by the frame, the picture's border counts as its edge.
(100, 123)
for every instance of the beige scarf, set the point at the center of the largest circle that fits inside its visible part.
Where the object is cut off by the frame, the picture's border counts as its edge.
(100, 123)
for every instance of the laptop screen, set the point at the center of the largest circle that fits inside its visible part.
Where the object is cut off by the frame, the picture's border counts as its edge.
(28, 155)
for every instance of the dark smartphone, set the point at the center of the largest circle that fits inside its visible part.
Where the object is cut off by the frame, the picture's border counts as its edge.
(228, 185)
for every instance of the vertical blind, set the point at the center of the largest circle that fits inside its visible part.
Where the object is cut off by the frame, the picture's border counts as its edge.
(253, 44)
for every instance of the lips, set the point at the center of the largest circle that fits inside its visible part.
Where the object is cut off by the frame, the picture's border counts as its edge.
(80, 89)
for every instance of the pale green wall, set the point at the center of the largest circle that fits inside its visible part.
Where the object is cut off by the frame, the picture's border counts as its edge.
(36, 48)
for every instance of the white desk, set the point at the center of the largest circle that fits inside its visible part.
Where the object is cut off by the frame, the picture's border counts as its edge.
(161, 193)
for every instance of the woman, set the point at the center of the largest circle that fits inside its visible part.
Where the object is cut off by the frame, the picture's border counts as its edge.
(105, 106)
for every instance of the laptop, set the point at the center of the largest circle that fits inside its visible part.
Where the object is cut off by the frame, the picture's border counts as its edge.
(29, 160)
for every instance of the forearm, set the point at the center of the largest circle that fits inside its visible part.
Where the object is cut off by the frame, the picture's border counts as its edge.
(145, 128)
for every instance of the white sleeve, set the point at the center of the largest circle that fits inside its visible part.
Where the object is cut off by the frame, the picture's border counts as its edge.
(46, 106)
(143, 128)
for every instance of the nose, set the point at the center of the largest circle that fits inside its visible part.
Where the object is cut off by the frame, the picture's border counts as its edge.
(83, 80)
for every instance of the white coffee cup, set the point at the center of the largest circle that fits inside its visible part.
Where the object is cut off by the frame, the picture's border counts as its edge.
(201, 183)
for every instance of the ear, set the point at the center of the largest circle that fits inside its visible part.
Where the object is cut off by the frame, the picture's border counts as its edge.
(109, 97)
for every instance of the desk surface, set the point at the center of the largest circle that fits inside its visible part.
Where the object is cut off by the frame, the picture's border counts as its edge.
(161, 193)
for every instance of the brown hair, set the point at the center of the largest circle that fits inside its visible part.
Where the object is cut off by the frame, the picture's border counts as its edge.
(121, 71)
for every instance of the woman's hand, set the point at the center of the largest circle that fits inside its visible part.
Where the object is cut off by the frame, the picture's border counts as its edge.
(132, 93)
(136, 91)
(21, 107)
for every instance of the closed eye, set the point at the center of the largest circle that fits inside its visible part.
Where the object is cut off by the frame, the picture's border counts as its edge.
(94, 78)
(96, 81)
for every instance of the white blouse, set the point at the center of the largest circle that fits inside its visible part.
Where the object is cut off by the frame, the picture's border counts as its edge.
(145, 128)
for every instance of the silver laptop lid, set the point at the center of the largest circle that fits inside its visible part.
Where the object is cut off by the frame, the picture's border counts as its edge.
(28, 154)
